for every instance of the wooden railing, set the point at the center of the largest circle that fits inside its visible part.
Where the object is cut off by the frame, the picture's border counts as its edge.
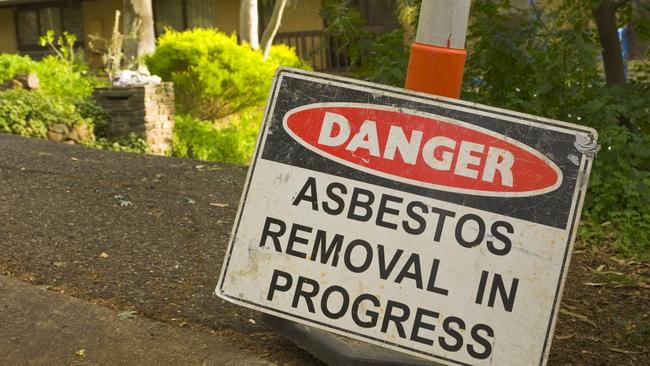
(322, 51)
(317, 48)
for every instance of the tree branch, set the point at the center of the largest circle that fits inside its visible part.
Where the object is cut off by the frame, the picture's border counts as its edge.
(273, 26)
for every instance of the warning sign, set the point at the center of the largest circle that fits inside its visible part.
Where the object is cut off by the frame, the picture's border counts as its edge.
(434, 227)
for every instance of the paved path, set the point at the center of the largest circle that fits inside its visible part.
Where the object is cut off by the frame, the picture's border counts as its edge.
(40, 327)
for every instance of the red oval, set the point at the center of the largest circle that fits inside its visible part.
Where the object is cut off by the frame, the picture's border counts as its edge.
(502, 167)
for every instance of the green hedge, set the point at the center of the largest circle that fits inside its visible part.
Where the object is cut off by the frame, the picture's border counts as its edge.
(30, 113)
(233, 142)
(64, 96)
(57, 77)
(213, 75)
(12, 64)
(550, 70)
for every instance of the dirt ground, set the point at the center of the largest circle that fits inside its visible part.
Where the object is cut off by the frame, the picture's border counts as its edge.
(148, 234)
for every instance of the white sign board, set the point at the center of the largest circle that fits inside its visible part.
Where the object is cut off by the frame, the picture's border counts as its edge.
(430, 226)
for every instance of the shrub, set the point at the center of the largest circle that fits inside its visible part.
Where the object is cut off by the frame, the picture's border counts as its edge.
(232, 143)
(552, 70)
(346, 27)
(57, 77)
(213, 75)
(12, 64)
(90, 110)
(283, 55)
(64, 97)
(534, 63)
(64, 80)
(386, 61)
(131, 144)
(30, 113)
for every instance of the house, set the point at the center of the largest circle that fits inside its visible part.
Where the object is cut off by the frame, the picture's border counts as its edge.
(22, 22)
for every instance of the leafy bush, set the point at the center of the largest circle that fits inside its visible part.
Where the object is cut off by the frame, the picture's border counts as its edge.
(535, 64)
(57, 77)
(520, 62)
(232, 143)
(346, 26)
(131, 144)
(64, 80)
(378, 58)
(213, 75)
(64, 97)
(30, 113)
(65, 84)
(283, 55)
(90, 110)
(386, 61)
(12, 64)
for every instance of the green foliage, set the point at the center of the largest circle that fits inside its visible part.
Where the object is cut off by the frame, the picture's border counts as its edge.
(547, 64)
(232, 143)
(213, 75)
(57, 77)
(377, 58)
(12, 64)
(386, 61)
(131, 144)
(62, 46)
(65, 80)
(535, 63)
(518, 61)
(408, 11)
(90, 110)
(639, 332)
(64, 97)
(346, 26)
(30, 113)
(283, 55)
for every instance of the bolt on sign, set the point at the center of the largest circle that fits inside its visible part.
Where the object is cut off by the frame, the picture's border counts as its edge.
(430, 226)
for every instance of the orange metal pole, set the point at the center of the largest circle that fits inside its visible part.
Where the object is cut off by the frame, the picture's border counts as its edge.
(437, 60)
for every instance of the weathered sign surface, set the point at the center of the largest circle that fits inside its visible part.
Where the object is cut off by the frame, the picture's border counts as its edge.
(430, 226)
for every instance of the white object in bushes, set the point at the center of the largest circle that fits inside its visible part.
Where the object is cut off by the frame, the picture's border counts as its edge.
(125, 78)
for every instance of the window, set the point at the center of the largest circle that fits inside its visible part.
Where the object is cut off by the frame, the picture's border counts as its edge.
(183, 14)
(28, 32)
(34, 21)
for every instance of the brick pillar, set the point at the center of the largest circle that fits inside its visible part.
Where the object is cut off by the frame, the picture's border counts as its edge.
(147, 111)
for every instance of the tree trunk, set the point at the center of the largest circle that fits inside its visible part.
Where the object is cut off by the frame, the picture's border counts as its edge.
(605, 16)
(273, 26)
(138, 13)
(640, 13)
(248, 23)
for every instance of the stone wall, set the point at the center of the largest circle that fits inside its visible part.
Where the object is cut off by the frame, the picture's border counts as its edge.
(147, 111)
